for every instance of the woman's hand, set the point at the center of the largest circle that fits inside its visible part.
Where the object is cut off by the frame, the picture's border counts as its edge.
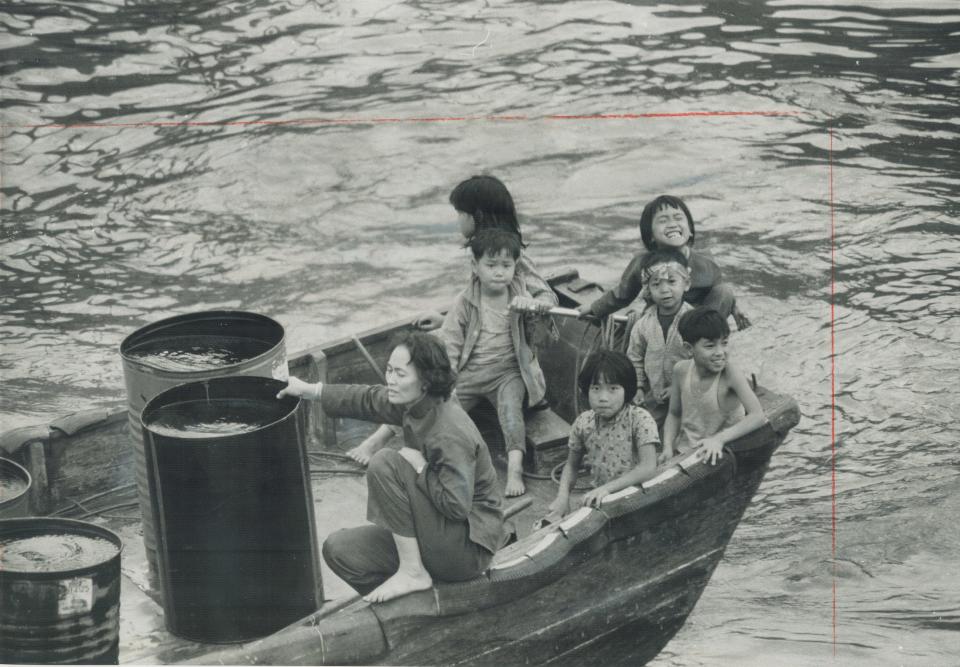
(299, 388)
(594, 497)
(428, 321)
(414, 458)
(527, 304)
(711, 449)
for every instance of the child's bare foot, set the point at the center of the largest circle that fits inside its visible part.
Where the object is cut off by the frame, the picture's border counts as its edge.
(399, 584)
(515, 486)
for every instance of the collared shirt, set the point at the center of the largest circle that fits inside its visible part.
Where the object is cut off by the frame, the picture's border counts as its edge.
(459, 476)
(612, 446)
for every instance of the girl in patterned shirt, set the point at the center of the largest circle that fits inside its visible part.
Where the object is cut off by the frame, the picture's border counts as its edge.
(618, 438)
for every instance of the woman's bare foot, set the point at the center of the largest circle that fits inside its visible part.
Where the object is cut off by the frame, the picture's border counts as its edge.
(362, 452)
(377, 440)
(399, 584)
(515, 486)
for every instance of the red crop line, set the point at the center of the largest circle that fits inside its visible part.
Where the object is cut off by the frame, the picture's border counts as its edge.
(833, 394)
(684, 114)
(388, 120)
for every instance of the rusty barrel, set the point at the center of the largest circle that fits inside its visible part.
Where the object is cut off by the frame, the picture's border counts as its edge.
(188, 348)
(14, 490)
(60, 592)
(231, 492)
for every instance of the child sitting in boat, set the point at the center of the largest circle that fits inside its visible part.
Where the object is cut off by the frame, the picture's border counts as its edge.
(711, 402)
(666, 222)
(619, 438)
(486, 337)
(655, 345)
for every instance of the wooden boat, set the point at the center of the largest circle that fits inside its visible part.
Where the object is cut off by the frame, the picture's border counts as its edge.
(604, 586)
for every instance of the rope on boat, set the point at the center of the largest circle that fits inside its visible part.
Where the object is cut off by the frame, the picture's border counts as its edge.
(100, 510)
(80, 503)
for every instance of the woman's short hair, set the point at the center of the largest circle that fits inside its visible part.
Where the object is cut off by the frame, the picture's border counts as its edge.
(613, 367)
(429, 356)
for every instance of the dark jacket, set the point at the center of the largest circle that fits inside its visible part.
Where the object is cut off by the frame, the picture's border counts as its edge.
(459, 476)
(704, 274)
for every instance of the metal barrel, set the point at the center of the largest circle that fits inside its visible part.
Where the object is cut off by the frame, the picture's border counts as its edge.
(57, 612)
(237, 545)
(145, 378)
(14, 490)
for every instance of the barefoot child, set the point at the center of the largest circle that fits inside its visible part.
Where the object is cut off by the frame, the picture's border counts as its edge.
(486, 337)
(619, 438)
(655, 345)
(711, 402)
(666, 222)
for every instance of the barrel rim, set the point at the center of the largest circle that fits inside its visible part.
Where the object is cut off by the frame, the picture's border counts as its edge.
(244, 379)
(38, 525)
(17, 468)
(143, 333)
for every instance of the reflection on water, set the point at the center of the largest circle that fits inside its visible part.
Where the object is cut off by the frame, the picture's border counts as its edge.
(117, 213)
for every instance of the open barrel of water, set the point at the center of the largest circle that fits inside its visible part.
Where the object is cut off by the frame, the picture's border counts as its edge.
(59, 592)
(236, 544)
(14, 490)
(188, 348)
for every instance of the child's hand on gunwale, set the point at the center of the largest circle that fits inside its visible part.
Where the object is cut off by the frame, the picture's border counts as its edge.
(711, 450)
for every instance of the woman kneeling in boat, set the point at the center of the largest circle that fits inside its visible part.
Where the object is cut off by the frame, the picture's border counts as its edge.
(436, 504)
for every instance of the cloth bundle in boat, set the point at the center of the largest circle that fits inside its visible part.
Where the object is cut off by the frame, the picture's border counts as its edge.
(231, 493)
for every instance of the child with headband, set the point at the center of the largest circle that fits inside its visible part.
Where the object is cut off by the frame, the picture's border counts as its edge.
(655, 345)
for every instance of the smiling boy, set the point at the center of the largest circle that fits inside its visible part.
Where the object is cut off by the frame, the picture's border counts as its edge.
(711, 402)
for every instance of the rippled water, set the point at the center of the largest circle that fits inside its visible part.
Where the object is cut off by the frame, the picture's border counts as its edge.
(213, 418)
(193, 353)
(160, 158)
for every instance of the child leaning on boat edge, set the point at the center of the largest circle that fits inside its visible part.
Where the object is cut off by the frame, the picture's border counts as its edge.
(711, 402)
(619, 438)
(666, 222)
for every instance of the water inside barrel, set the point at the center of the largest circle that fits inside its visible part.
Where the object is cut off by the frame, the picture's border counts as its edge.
(54, 552)
(197, 353)
(215, 417)
(10, 486)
